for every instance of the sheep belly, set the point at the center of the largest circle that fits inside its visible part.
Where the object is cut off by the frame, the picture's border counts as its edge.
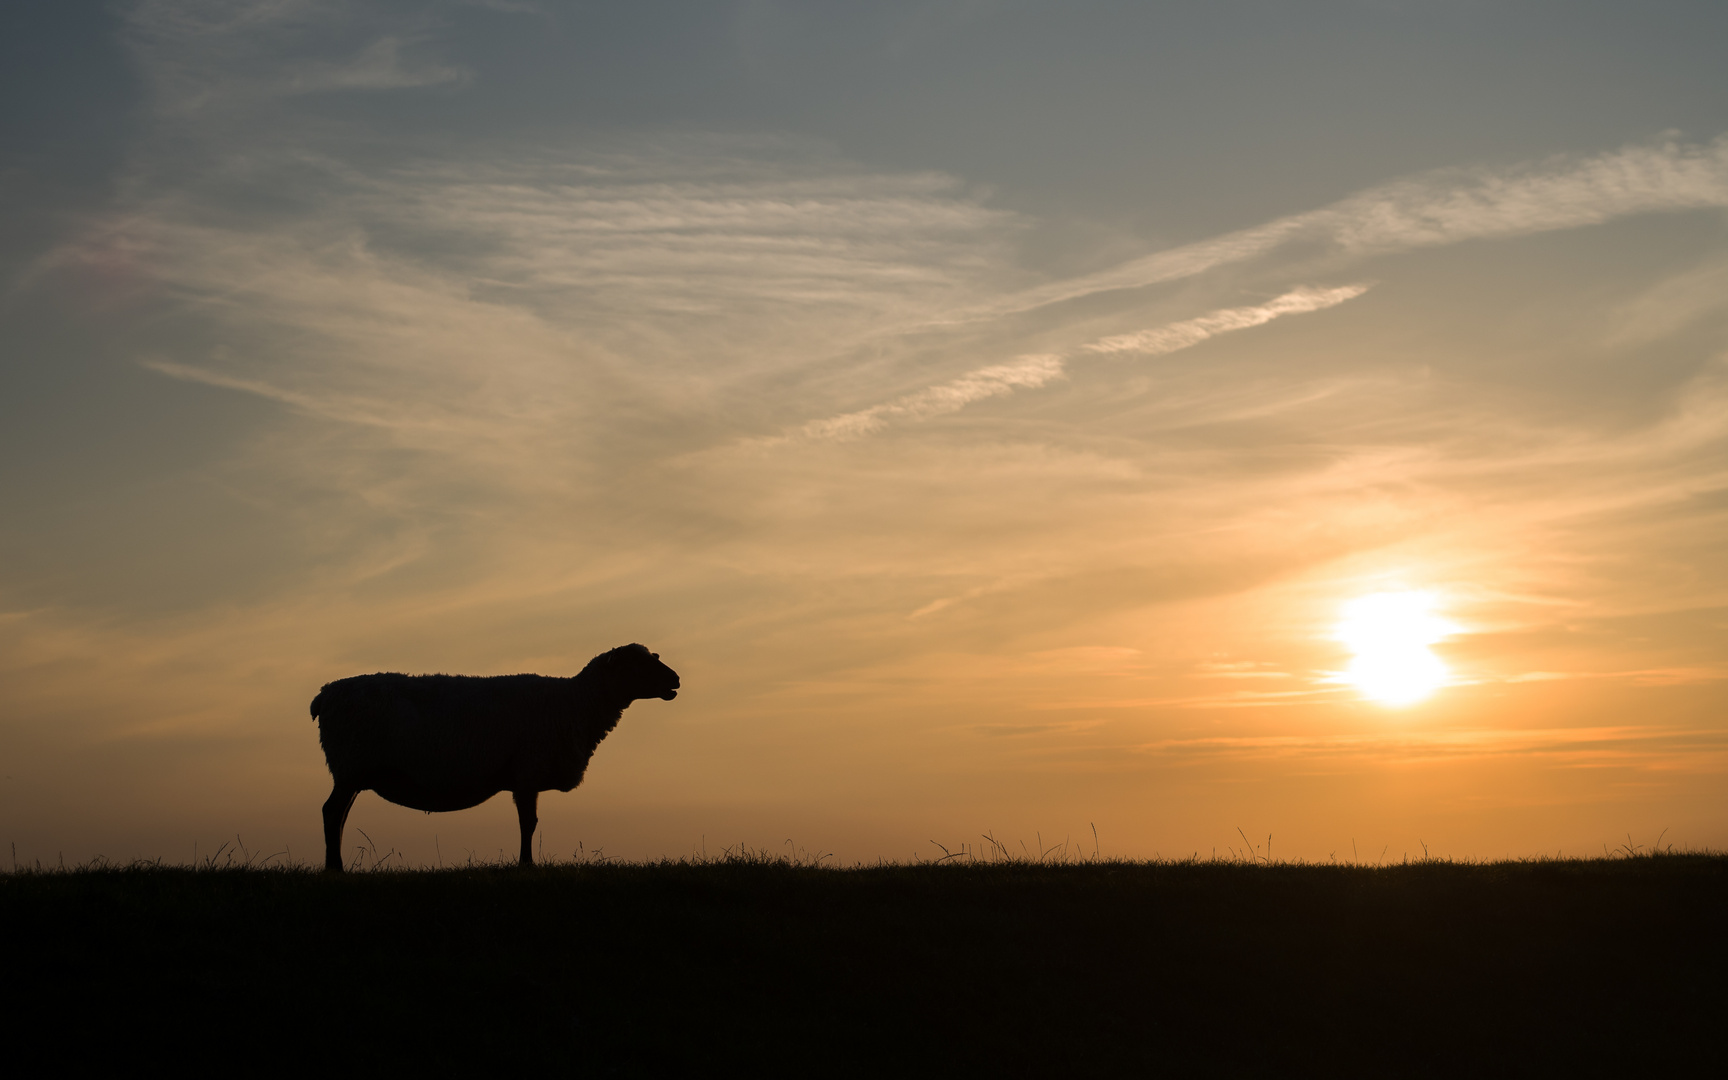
(404, 791)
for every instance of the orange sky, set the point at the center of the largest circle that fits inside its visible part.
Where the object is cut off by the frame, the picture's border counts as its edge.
(966, 493)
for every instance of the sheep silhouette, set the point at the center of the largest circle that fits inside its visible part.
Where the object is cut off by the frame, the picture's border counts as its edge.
(449, 742)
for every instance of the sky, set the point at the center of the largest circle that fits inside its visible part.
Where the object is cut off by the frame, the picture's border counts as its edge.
(1157, 428)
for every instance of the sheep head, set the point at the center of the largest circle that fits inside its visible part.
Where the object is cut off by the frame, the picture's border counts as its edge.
(633, 673)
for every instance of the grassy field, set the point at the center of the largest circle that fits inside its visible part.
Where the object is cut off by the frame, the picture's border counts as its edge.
(1012, 968)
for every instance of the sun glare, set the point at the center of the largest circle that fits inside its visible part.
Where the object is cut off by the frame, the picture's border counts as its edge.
(1390, 633)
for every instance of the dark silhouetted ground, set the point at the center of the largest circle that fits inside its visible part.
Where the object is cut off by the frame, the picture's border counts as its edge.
(1588, 967)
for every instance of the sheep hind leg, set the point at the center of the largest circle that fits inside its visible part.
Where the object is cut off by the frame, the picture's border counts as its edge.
(525, 806)
(336, 809)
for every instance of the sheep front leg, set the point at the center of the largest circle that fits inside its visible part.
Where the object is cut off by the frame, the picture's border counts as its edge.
(525, 804)
(336, 809)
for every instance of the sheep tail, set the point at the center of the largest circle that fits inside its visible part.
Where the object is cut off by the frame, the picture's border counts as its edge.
(316, 703)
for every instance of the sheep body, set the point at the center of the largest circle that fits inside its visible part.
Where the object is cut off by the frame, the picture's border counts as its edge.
(449, 742)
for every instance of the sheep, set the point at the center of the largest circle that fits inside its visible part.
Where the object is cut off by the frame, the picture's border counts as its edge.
(449, 742)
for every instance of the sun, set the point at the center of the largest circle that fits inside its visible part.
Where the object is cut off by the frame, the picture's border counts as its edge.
(1390, 633)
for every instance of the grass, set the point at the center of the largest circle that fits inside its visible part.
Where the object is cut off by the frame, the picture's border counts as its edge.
(1048, 962)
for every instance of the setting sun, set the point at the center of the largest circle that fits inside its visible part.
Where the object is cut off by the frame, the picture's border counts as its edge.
(1390, 633)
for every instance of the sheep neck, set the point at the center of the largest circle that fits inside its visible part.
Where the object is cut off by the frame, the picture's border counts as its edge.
(598, 705)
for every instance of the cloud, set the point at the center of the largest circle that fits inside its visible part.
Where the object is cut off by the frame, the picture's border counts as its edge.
(1443, 207)
(204, 58)
(1189, 332)
(379, 66)
(706, 227)
(1649, 677)
(536, 317)
(1650, 747)
(1032, 372)
(229, 382)
(1672, 305)
(1027, 372)
(564, 300)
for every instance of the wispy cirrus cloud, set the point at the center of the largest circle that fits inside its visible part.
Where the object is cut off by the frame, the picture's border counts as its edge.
(1443, 207)
(381, 65)
(525, 313)
(205, 56)
(1032, 372)
(1191, 332)
(619, 272)
(1583, 747)
(996, 380)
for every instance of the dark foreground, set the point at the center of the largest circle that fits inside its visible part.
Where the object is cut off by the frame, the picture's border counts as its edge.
(1600, 967)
